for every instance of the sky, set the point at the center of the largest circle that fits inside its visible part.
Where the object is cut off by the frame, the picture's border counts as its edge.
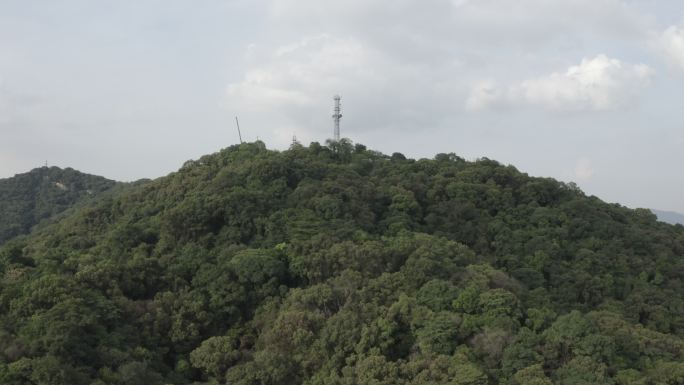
(588, 91)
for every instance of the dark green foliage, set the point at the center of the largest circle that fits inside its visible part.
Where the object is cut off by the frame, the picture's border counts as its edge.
(337, 265)
(27, 199)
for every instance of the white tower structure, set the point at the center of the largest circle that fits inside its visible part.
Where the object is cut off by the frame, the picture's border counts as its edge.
(336, 117)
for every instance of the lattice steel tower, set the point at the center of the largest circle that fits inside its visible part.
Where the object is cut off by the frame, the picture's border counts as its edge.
(336, 117)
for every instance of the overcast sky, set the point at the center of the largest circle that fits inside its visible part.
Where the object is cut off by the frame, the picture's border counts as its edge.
(589, 91)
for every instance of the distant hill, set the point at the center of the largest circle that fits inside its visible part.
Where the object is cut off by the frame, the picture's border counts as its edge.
(670, 217)
(337, 265)
(28, 198)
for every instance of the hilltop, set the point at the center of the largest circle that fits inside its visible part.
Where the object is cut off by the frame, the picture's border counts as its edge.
(339, 265)
(29, 198)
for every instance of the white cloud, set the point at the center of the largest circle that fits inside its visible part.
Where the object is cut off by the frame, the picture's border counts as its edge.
(596, 84)
(584, 169)
(484, 94)
(404, 64)
(284, 85)
(289, 87)
(671, 45)
(297, 74)
(520, 22)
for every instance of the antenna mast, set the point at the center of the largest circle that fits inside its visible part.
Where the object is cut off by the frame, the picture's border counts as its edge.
(237, 123)
(336, 117)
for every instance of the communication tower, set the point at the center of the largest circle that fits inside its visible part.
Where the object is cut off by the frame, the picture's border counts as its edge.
(336, 117)
(237, 123)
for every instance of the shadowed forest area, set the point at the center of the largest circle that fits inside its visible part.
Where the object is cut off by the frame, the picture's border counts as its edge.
(29, 198)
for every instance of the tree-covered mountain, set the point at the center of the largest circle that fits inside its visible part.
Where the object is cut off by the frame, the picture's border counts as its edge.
(27, 199)
(337, 265)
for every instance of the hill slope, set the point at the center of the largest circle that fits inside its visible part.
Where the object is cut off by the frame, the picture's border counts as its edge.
(26, 199)
(340, 265)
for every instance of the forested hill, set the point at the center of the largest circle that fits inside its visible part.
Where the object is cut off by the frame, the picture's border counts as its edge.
(337, 265)
(28, 198)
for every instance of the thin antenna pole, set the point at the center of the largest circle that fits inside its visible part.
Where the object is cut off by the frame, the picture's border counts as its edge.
(237, 123)
(336, 117)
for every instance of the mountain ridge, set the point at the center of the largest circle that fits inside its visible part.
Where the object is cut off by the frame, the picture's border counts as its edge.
(29, 198)
(335, 264)
(670, 217)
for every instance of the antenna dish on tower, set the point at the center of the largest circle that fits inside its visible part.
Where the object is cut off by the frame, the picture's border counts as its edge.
(336, 117)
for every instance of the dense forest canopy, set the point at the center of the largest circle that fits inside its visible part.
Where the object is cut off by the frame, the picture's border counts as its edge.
(337, 265)
(27, 199)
